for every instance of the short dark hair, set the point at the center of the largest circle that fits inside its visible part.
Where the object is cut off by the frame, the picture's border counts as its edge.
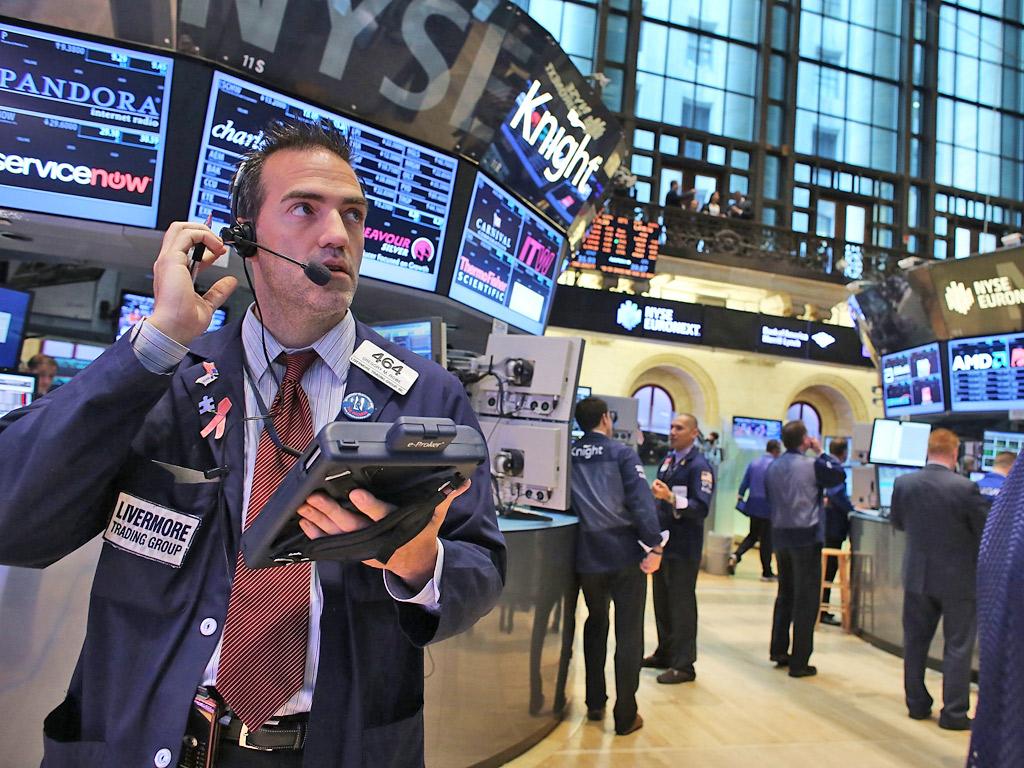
(839, 447)
(1004, 459)
(589, 412)
(37, 361)
(773, 446)
(793, 434)
(279, 135)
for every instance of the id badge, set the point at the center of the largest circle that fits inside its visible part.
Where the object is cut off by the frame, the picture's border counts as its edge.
(679, 491)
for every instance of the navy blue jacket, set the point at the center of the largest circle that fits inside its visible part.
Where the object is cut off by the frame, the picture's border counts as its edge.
(837, 510)
(686, 526)
(753, 480)
(991, 484)
(63, 461)
(615, 506)
(795, 484)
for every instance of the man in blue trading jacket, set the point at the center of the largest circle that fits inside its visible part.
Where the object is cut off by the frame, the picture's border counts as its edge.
(757, 508)
(795, 483)
(618, 543)
(992, 483)
(943, 515)
(683, 490)
(343, 686)
(837, 522)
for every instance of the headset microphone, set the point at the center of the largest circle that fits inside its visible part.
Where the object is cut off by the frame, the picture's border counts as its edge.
(241, 235)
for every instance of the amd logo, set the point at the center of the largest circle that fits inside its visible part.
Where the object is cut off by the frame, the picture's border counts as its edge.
(981, 361)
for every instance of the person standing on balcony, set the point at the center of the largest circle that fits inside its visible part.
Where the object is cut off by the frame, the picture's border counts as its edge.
(714, 204)
(672, 197)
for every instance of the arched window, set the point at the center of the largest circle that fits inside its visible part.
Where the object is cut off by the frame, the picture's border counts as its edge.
(808, 414)
(655, 411)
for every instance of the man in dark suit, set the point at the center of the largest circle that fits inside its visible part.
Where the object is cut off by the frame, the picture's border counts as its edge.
(683, 490)
(837, 523)
(943, 514)
(166, 438)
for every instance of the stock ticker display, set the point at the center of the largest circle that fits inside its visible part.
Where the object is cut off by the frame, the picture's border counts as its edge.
(620, 245)
(986, 373)
(912, 381)
(408, 185)
(82, 127)
(507, 260)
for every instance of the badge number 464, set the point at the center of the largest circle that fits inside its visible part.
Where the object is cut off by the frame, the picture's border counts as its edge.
(388, 362)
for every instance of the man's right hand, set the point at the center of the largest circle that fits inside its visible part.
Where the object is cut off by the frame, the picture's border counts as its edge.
(662, 491)
(651, 562)
(179, 312)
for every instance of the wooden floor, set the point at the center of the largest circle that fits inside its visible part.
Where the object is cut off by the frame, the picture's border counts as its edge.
(741, 711)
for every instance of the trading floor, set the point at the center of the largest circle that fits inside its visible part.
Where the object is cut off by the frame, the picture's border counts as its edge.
(741, 711)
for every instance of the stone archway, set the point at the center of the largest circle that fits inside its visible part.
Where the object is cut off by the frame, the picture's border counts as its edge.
(692, 389)
(839, 404)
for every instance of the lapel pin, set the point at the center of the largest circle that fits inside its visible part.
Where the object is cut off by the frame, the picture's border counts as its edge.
(357, 406)
(206, 405)
(209, 377)
(218, 421)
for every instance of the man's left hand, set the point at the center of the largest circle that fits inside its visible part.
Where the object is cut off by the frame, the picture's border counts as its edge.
(413, 562)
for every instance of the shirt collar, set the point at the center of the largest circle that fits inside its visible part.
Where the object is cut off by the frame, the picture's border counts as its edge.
(335, 347)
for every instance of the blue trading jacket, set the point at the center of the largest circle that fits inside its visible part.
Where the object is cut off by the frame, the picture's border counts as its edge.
(614, 504)
(997, 739)
(991, 484)
(686, 526)
(116, 428)
(753, 479)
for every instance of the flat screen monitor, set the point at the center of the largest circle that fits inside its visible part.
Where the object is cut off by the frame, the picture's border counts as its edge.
(903, 443)
(409, 186)
(136, 306)
(986, 373)
(753, 434)
(425, 337)
(83, 125)
(16, 390)
(14, 309)
(886, 481)
(912, 381)
(620, 245)
(508, 260)
(582, 392)
(71, 357)
(994, 443)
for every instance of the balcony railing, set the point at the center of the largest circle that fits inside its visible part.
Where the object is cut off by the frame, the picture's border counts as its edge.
(749, 244)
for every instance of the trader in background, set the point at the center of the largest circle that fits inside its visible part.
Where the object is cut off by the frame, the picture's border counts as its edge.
(161, 446)
(943, 514)
(756, 507)
(683, 489)
(795, 483)
(837, 523)
(618, 544)
(44, 368)
(992, 483)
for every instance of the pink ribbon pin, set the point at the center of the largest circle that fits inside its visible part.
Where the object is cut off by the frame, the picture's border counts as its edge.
(218, 421)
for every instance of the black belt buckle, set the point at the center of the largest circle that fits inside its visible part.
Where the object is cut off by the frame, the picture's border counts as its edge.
(243, 740)
(297, 737)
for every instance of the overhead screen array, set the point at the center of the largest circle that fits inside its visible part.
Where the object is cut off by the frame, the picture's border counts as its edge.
(82, 125)
(409, 186)
(620, 245)
(986, 373)
(912, 381)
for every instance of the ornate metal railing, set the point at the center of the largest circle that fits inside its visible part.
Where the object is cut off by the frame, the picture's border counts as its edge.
(749, 244)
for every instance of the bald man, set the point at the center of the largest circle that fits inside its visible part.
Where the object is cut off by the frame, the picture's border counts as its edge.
(683, 490)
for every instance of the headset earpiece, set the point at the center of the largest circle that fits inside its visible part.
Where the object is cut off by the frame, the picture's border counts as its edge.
(240, 230)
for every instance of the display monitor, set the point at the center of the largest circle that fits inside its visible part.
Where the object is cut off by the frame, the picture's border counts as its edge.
(994, 443)
(71, 357)
(508, 260)
(16, 390)
(14, 309)
(582, 392)
(912, 381)
(903, 443)
(409, 186)
(424, 337)
(620, 245)
(753, 434)
(886, 482)
(136, 306)
(83, 125)
(986, 373)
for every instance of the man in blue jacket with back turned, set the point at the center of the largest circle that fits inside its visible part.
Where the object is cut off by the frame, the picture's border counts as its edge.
(757, 508)
(618, 544)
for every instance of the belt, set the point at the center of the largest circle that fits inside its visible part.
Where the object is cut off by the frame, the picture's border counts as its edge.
(279, 733)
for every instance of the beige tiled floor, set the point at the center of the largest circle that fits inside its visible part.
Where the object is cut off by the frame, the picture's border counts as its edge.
(741, 711)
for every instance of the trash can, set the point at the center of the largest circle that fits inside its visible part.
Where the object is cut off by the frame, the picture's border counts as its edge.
(716, 557)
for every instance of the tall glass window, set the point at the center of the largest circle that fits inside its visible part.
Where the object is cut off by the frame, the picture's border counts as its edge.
(655, 409)
(572, 24)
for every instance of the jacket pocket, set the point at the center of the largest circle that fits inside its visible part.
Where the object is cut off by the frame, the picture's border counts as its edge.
(62, 744)
(396, 745)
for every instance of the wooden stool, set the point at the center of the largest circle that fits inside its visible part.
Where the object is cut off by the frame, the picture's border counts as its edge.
(841, 582)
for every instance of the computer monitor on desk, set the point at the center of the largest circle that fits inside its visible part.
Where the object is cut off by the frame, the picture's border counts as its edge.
(16, 390)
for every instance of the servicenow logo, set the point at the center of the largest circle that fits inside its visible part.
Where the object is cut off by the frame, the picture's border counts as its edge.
(67, 173)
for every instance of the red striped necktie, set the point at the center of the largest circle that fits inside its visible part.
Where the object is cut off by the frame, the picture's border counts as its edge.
(263, 654)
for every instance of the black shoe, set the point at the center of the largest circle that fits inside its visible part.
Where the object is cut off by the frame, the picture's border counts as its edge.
(769, 577)
(955, 723)
(675, 676)
(781, 662)
(653, 662)
(923, 715)
(636, 725)
(832, 621)
(595, 714)
(807, 671)
(733, 562)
